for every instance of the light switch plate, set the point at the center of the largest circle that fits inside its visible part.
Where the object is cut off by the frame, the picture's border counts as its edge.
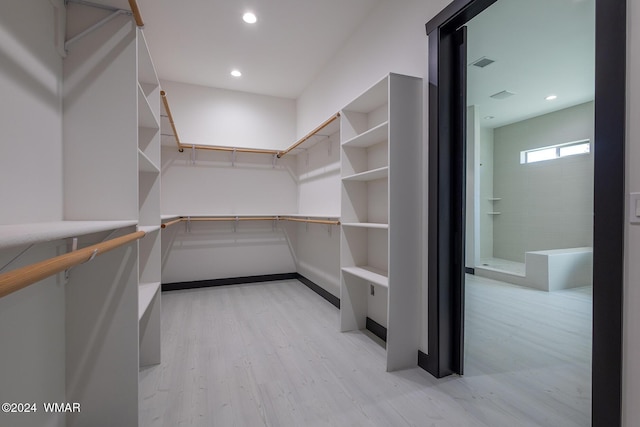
(634, 208)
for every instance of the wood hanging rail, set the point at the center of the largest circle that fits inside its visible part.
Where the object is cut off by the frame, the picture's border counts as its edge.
(163, 94)
(136, 13)
(231, 149)
(255, 218)
(311, 221)
(15, 280)
(310, 134)
(170, 223)
(278, 153)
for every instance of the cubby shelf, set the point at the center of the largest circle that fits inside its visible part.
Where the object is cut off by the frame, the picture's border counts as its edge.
(146, 116)
(370, 175)
(146, 293)
(370, 137)
(370, 274)
(149, 250)
(145, 164)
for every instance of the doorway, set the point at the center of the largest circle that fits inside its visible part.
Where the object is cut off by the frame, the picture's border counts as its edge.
(447, 202)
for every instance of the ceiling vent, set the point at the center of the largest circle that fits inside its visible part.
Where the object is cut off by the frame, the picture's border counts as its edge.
(502, 95)
(482, 62)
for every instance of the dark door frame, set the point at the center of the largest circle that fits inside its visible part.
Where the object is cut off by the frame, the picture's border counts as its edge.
(446, 189)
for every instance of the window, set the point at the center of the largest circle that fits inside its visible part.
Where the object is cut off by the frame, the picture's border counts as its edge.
(555, 151)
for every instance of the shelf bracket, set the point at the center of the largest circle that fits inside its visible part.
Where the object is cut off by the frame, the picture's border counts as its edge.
(235, 225)
(187, 225)
(329, 228)
(233, 157)
(275, 159)
(73, 246)
(193, 154)
(93, 255)
(307, 225)
(16, 257)
(330, 148)
(115, 12)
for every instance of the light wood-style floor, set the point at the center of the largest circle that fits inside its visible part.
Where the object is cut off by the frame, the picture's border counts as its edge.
(270, 354)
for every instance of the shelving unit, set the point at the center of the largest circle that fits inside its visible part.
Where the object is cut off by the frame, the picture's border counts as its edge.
(149, 249)
(380, 280)
(110, 156)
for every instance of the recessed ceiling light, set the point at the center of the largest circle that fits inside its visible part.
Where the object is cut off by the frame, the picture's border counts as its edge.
(249, 18)
(236, 73)
(489, 117)
(551, 97)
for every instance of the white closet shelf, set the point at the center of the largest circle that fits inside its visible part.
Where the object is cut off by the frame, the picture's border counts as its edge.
(366, 225)
(146, 70)
(374, 97)
(146, 292)
(370, 175)
(370, 274)
(373, 136)
(148, 228)
(146, 118)
(39, 232)
(169, 216)
(145, 164)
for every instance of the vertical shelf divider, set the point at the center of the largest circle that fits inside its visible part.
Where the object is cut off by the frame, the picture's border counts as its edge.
(381, 133)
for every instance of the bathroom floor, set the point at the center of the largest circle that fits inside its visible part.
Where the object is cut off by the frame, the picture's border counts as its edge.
(504, 265)
(535, 344)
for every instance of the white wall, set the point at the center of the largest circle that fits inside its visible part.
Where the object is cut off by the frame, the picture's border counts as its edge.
(317, 247)
(205, 115)
(32, 321)
(631, 326)
(549, 204)
(391, 39)
(318, 170)
(30, 119)
(216, 185)
(486, 192)
(473, 197)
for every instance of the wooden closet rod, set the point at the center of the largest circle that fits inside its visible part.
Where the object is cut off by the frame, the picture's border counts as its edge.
(311, 221)
(230, 149)
(163, 94)
(255, 218)
(136, 13)
(170, 223)
(15, 280)
(310, 134)
(233, 218)
(279, 154)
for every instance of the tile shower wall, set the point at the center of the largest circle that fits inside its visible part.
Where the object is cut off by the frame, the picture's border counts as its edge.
(548, 204)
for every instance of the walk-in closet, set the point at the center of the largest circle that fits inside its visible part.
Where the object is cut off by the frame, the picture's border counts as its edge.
(218, 213)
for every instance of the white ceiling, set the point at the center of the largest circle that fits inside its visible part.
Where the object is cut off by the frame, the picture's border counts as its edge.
(201, 41)
(541, 47)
